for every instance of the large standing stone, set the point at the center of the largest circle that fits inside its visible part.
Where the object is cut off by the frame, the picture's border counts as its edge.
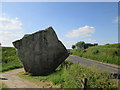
(41, 52)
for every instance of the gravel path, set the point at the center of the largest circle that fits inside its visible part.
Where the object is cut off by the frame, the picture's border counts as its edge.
(13, 81)
(87, 62)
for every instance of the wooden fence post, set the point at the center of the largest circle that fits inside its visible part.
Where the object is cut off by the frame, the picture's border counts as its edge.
(84, 83)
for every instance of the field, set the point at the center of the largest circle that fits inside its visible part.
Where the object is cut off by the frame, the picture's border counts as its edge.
(70, 75)
(103, 53)
(9, 59)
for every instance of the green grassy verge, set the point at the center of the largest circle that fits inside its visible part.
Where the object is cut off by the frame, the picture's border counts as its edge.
(9, 59)
(70, 75)
(3, 86)
(103, 53)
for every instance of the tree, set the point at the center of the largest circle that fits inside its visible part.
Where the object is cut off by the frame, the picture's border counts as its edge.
(83, 45)
(107, 44)
(87, 45)
(80, 45)
(95, 44)
(73, 46)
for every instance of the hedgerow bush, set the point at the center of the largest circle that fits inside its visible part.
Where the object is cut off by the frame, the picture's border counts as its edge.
(9, 59)
(75, 74)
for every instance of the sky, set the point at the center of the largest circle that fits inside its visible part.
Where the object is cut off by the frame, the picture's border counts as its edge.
(91, 22)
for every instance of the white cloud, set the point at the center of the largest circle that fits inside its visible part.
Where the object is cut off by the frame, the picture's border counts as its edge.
(117, 20)
(10, 24)
(82, 32)
(68, 44)
(10, 30)
(90, 40)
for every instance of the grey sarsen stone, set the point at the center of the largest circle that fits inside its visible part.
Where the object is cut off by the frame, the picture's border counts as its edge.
(41, 52)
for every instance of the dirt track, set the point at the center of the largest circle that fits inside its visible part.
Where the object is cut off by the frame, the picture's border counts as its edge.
(13, 81)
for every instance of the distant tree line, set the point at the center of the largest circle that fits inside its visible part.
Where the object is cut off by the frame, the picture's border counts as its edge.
(83, 45)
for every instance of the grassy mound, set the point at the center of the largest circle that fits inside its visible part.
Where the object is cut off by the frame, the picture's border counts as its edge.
(9, 59)
(70, 75)
(104, 53)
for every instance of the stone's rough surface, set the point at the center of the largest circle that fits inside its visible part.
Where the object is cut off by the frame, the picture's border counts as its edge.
(41, 52)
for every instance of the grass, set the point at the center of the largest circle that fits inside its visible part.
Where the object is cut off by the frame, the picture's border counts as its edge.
(3, 86)
(9, 59)
(103, 53)
(70, 75)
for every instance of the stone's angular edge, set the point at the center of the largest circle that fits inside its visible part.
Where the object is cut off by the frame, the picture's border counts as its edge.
(27, 35)
(41, 52)
(49, 28)
(16, 44)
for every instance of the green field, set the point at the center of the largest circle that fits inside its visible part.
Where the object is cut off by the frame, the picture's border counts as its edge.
(70, 75)
(9, 59)
(103, 53)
